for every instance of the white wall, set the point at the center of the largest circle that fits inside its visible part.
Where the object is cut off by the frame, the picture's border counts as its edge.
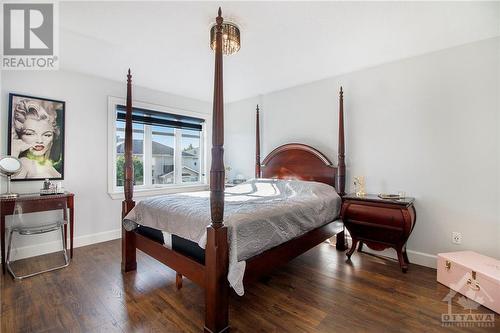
(426, 125)
(97, 215)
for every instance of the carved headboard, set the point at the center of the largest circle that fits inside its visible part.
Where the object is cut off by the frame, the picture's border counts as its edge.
(298, 161)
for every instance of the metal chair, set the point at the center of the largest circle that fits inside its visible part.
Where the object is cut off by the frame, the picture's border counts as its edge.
(36, 230)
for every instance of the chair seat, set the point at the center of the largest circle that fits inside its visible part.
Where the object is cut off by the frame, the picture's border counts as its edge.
(38, 229)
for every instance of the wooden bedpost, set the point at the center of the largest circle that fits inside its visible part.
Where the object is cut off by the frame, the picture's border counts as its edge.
(217, 250)
(128, 237)
(341, 244)
(257, 143)
(341, 148)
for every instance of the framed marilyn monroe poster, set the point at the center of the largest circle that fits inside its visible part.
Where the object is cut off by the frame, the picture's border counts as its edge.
(36, 136)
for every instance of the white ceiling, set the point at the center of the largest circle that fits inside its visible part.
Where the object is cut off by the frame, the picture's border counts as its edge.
(283, 43)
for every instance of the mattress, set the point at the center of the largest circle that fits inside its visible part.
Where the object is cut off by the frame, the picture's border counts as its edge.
(173, 242)
(259, 214)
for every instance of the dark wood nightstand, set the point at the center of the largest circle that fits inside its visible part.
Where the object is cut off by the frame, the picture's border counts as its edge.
(379, 223)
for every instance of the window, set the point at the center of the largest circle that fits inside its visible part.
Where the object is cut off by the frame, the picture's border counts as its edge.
(163, 148)
(190, 156)
(168, 147)
(138, 152)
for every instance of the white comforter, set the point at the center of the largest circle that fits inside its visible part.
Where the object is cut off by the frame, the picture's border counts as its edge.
(260, 214)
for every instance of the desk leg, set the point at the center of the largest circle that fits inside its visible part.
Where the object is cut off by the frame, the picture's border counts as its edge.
(66, 235)
(2, 243)
(65, 217)
(71, 225)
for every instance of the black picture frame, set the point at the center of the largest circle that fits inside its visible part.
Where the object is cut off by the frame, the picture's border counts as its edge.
(56, 107)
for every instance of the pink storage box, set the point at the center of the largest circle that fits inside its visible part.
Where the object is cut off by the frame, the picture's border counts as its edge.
(473, 275)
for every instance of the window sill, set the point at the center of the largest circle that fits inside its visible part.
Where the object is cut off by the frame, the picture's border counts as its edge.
(143, 193)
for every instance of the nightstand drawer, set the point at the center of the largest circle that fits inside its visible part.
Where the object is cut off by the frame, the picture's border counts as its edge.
(375, 231)
(376, 215)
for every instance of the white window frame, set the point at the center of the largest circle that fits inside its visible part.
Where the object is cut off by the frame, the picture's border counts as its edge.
(149, 189)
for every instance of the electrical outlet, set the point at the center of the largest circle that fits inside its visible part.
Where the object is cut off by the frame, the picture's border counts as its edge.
(456, 237)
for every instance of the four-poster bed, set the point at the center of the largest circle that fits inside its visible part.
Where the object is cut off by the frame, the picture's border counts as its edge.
(290, 161)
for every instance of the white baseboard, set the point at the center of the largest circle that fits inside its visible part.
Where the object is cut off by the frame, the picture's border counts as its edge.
(419, 258)
(415, 257)
(54, 246)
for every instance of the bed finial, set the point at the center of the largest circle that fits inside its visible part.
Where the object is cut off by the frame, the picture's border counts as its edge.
(340, 184)
(257, 143)
(219, 12)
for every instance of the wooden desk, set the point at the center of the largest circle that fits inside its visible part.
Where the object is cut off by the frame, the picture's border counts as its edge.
(35, 202)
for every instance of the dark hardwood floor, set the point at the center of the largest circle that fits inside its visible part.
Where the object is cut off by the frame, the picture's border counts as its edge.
(316, 292)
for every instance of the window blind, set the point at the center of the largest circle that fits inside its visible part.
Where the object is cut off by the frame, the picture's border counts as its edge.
(148, 117)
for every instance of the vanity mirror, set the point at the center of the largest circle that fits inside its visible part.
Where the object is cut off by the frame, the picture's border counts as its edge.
(9, 166)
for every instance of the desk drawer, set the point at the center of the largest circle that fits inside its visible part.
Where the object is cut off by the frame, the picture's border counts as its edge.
(41, 205)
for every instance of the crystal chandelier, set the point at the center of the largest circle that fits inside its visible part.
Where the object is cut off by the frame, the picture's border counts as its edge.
(230, 38)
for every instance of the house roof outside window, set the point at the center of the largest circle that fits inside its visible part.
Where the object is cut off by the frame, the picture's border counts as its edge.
(157, 149)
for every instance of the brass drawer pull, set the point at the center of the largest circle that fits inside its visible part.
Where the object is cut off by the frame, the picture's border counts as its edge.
(448, 264)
